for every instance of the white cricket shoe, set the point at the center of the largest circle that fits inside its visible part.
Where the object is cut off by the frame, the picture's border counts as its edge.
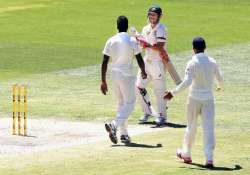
(125, 139)
(209, 164)
(186, 159)
(160, 121)
(111, 129)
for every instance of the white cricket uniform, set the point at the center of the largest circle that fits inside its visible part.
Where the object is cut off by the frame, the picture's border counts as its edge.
(200, 73)
(154, 68)
(122, 48)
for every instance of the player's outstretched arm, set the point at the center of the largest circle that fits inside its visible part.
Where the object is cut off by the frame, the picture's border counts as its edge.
(183, 85)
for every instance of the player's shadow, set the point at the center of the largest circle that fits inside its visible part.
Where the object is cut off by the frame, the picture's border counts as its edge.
(216, 168)
(31, 136)
(171, 125)
(139, 145)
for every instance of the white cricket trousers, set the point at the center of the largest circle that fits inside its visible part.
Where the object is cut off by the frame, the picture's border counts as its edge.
(123, 87)
(156, 73)
(207, 111)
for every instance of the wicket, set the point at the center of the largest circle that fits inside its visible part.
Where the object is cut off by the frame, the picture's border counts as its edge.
(18, 92)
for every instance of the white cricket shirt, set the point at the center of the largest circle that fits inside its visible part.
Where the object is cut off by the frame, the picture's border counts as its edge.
(200, 73)
(152, 36)
(122, 48)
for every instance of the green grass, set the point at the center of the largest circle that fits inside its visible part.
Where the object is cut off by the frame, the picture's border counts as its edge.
(24, 59)
(103, 159)
(45, 35)
(74, 94)
(41, 39)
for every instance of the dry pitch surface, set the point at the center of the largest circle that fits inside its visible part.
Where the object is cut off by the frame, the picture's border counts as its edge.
(47, 134)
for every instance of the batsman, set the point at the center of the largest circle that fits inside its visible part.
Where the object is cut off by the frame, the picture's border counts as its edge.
(153, 39)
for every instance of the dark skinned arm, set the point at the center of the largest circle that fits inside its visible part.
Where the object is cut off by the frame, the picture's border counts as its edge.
(104, 87)
(141, 65)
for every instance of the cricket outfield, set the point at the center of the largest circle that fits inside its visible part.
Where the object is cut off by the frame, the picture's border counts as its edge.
(55, 47)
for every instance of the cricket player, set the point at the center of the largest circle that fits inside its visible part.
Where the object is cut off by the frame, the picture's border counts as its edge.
(200, 73)
(121, 48)
(155, 39)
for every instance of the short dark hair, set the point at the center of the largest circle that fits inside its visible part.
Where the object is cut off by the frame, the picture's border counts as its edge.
(122, 23)
(199, 44)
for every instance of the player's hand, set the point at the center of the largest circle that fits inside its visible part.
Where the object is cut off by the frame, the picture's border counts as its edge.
(104, 88)
(143, 43)
(144, 75)
(164, 55)
(168, 95)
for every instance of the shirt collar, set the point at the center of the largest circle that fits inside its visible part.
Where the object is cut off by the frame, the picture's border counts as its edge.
(156, 26)
(122, 33)
(200, 54)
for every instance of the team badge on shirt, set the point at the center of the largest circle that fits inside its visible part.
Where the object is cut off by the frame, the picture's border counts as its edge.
(148, 32)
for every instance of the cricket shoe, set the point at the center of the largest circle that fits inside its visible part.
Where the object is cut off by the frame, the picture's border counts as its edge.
(125, 139)
(144, 118)
(111, 129)
(160, 121)
(209, 164)
(180, 155)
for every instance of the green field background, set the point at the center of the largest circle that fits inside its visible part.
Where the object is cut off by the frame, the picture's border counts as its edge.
(38, 36)
(43, 41)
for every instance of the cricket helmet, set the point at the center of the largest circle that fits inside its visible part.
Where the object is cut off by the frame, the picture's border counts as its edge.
(156, 9)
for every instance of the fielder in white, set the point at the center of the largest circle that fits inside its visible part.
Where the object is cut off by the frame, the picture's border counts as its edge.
(155, 39)
(200, 73)
(121, 48)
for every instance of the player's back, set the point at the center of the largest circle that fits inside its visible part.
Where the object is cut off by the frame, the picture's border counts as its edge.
(121, 49)
(204, 74)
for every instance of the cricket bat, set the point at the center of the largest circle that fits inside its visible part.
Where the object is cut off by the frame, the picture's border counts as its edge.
(172, 71)
(170, 67)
